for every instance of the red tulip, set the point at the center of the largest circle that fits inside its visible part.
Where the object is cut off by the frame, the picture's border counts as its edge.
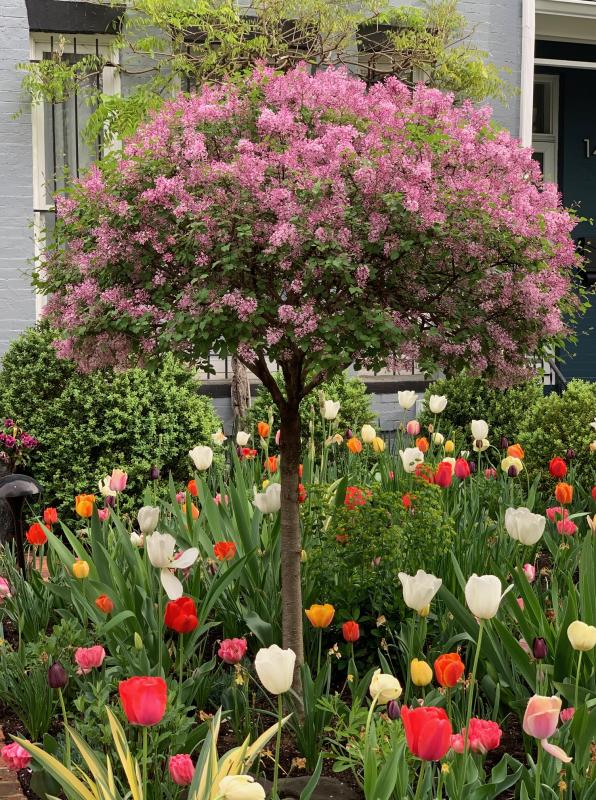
(351, 631)
(50, 516)
(594, 493)
(36, 535)
(143, 699)
(557, 467)
(461, 469)
(181, 615)
(224, 551)
(192, 488)
(444, 475)
(428, 731)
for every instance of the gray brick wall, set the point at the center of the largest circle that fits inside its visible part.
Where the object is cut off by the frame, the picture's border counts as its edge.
(17, 301)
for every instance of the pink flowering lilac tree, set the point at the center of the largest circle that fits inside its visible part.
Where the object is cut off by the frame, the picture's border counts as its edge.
(306, 220)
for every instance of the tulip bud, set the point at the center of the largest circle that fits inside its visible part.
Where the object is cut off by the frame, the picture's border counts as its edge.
(154, 473)
(57, 676)
(449, 446)
(348, 434)
(570, 454)
(472, 466)
(80, 569)
(512, 472)
(504, 443)
(109, 501)
(138, 641)
(539, 648)
(393, 709)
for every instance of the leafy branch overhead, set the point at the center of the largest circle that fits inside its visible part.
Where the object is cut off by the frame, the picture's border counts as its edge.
(163, 46)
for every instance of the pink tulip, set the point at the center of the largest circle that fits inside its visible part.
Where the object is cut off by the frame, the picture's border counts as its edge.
(181, 769)
(278, 438)
(103, 514)
(556, 512)
(567, 714)
(4, 589)
(530, 572)
(525, 647)
(483, 735)
(566, 527)
(520, 602)
(413, 427)
(232, 651)
(218, 499)
(490, 473)
(180, 497)
(540, 721)
(15, 757)
(89, 658)
(118, 480)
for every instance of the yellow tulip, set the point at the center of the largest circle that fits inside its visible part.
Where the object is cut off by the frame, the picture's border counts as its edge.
(320, 616)
(378, 444)
(449, 446)
(421, 672)
(581, 636)
(80, 569)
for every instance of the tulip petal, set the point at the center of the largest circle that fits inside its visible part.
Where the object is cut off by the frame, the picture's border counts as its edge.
(186, 559)
(556, 752)
(171, 584)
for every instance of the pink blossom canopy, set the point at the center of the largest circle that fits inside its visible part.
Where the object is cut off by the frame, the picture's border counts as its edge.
(306, 219)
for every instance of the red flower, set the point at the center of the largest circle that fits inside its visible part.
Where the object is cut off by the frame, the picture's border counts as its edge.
(143, 699)
(351, 631)
(448, 669)
(428, 731)
(444, 475)
(594, 493)
(192, 488)
(50, 517)
(104, 603)
(424, 472)
(36, 535)
(406, 500)
(300, 470)
(461, 469)
(557, 467)
(181, 615)
(247, 452)
(302, 493)
(354, 497)
(271, 464)
(224, 551)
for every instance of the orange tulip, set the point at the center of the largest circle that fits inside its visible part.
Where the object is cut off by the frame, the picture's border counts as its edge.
(320, 616)
(104, 603)
(422, 444)
(354, 445)
(516, 451)
(263, 430)
(448, 669)
(564, 493)
(84, 504)
(271, 464)
(193, 510)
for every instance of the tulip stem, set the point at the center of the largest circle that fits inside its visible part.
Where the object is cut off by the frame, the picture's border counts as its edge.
(471, 701)
(280, 713)
(409, 660)
(66, 733)
(579, 668)
(320, 648)
(538, 789)
(181, 647)
(440, 784)
(144, 762)
(159, 626)
(421, 776)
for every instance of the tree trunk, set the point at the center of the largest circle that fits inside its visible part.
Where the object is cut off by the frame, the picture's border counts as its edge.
(240, 390)
(291, 537)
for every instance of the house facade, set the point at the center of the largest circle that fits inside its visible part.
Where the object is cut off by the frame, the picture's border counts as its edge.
(547, 47)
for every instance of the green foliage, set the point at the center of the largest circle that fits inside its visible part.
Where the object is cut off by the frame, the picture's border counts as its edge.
(471, 398)
(355, 561)
(26, 693)
(89, 424)
(355, 409)
(433, 41)
(555, 423)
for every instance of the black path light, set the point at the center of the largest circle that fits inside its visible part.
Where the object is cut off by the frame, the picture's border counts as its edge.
(15, 489)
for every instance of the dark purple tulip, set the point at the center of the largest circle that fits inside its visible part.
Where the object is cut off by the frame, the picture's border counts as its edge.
(393, 709)
(57, 676)
(539, 648)
(472, 465)
(504, 443)
(512, 471)
(154, 473)
(109, 501)
(348, 434)
(570, 455)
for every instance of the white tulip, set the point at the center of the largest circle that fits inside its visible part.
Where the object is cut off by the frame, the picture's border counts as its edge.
(384, 687)
(239, 787)
(160, 551)
(524, 526)
(419, 589)
(593, 424)
(406, 399)
(483, 595)
(219, 437)
(437, 403)
(104, 487)
(269, 501)
(411, 457)
(201, 456)
(479, 429)
(242, 438)
(581, 636)
(480, 445)
(136, 539)
(275, 668)
(148, 517)
(331, 409)
(438, 438)
(368, 434)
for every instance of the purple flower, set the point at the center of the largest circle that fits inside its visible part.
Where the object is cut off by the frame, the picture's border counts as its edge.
(9, 423)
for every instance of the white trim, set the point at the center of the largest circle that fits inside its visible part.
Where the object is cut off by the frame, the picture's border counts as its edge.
(560, 62)
(567, 8)
(527, 72)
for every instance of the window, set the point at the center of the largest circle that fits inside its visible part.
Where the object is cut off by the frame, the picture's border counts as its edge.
(59, 149)
(545, 127)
